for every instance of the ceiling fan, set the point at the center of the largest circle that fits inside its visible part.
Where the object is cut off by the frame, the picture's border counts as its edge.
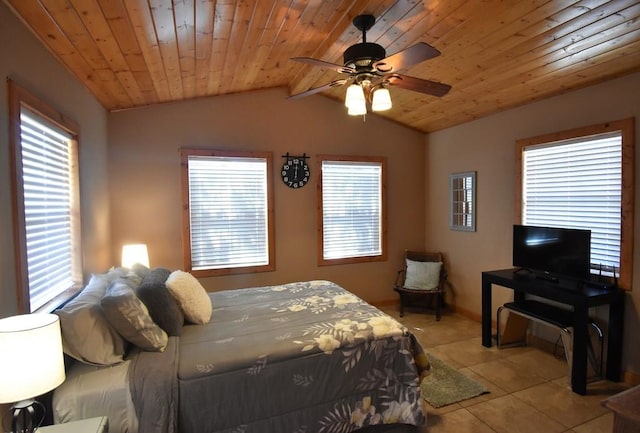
(370, 72)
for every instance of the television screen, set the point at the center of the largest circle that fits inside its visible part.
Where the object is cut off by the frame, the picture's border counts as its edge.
(556, 251)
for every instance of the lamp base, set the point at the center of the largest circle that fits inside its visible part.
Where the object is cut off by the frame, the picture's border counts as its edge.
(24, 416)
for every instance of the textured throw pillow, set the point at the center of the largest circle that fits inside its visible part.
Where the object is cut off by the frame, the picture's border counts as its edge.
(191, 297)
(86, 334)
(422, 275)
(162, 306)
(128, 315)
(140, 270)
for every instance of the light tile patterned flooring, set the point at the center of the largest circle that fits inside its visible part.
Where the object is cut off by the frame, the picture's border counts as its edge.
(529, 388)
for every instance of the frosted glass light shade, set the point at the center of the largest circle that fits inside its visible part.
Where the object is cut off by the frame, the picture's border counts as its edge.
(357, 109)
(355, 101)
(381, 100)
(31, 363)
(135, 253)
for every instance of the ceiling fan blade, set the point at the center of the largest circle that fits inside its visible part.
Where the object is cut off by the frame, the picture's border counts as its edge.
(327, 65)
(327, 86)
(418, 84)
(406, 58)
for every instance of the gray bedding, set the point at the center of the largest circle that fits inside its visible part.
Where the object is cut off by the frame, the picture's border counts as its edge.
(300, 357)
(154, 388)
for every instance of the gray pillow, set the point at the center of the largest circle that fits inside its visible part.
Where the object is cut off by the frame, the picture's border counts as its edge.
(140, 270)
(86, 333)
(130, 317)
(163, 308)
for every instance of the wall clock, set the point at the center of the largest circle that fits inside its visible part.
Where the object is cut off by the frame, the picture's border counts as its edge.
(295, 171)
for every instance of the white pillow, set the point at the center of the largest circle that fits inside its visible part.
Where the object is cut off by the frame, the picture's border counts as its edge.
(191, 297)
(422, 275)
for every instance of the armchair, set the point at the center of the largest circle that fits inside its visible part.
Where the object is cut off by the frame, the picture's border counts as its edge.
(422, 277)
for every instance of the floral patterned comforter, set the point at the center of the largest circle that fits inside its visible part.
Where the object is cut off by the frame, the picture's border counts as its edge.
(300, 357)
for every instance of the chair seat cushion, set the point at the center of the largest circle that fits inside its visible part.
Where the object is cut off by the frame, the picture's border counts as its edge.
(422, 275)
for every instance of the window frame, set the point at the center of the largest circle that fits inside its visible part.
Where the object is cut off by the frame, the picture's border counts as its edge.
(185, 153)
(383, 210)
(462, 201)
(626, 128)
(20, 98)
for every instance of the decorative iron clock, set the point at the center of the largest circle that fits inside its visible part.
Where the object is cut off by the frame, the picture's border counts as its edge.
(295, 171)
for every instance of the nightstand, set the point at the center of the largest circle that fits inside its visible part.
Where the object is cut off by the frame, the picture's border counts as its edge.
(92, 425)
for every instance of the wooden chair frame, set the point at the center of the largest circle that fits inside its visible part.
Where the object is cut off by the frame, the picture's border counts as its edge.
(406, 293)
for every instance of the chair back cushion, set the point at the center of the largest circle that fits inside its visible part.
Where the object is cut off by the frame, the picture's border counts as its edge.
(422, 275)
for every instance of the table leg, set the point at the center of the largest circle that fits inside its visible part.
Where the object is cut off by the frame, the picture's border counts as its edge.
(579, 360)
(486, 312)
(614, 344)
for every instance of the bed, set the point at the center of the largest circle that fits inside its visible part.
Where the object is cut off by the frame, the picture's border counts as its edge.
(298, 357)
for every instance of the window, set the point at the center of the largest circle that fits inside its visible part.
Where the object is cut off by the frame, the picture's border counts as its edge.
(462, 190)
(352, 213)
(44, 160)
(584, 179)
(228, 223)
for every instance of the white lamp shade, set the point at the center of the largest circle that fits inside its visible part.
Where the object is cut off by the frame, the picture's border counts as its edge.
(355, 96)
(135, 253)
(31, 360)
(357, 109)
(381, 100)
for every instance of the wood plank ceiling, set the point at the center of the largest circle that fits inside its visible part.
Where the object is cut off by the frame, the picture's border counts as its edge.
(495, 54)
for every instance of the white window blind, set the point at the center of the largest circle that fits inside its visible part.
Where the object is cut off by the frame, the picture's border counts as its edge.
(351, 209)
(578, 184)
(228, 212)
(49, 185)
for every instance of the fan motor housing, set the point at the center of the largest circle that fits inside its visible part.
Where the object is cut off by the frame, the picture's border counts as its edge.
(363, 55)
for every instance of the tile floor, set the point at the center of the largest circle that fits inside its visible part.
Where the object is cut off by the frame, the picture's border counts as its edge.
(529, 388)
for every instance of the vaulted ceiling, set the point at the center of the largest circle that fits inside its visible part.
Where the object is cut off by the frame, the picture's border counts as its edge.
(495, 54)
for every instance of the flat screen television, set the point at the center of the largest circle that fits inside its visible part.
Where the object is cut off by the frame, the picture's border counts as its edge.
(551, 251)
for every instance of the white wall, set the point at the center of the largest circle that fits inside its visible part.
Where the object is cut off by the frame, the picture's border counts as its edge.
(144, 174)
(488, 147)
(28, 63)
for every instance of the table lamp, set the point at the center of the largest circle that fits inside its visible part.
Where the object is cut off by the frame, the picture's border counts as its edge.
(31, 364)
(135, 253)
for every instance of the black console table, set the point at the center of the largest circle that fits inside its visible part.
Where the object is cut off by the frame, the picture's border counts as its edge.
(577, 295)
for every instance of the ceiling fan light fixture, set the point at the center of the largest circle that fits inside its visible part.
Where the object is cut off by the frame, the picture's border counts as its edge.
(381, 99)
(370, 70)
(357, 109)
(355, 96)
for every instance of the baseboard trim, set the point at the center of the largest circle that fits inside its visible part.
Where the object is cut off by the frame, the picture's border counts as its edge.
(631, 378)
(469, 314)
